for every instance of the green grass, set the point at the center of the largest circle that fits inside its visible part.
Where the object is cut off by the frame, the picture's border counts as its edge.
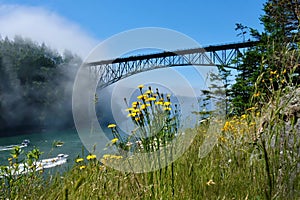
(236, 170)
(250, 161)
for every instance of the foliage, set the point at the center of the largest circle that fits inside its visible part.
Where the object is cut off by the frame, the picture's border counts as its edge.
(155, 119)
(281, 19)
(278, 51)
(15, 174)
(34, 84)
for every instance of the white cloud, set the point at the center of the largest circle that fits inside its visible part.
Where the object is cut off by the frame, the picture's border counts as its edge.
(42, 25)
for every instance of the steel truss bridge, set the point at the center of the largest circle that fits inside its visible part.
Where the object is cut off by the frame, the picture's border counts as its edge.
(110, 71)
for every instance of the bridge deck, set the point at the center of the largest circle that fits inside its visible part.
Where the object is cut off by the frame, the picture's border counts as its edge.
(110, 71)
(211, 48)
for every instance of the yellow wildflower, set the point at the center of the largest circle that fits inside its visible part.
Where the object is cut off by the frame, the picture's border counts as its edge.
(106, 156)
(256, 94)
(167, 103)
(135, 103)
(227, 126)
(158, 103)
(148, 92)
(141, 86)
(284, 71)
(91, 157)
(137, 119)
(130, 109)
(273, 72)
(133, 114)
(111, 126)
(249, 109)
(141, 97)
(151, 99)
(116, 157)
(167, 109)
(252, 124)
(222, 139)
(113, 141)
(144, 106)
(82, 167)
(244, 116)
(79, 160)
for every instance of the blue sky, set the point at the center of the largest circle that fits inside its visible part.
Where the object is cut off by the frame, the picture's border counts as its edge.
(79, 26)
(92, 21)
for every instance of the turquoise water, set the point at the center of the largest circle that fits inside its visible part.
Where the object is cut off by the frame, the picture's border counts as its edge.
(44, 142)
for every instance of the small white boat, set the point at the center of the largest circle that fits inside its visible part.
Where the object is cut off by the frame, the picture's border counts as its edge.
(52, 162)
(25, 143)
(24, 168)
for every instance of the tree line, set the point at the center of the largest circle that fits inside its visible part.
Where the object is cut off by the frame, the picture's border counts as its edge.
(274, 60)
(35, 86)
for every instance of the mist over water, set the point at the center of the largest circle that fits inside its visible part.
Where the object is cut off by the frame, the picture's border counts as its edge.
(35, 86)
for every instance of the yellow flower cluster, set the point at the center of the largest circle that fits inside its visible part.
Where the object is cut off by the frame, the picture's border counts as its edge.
(236, 126)
(108, 158)
(91, 157)
(80, 161)
(148, 100)
(275, 76)
(228, 126)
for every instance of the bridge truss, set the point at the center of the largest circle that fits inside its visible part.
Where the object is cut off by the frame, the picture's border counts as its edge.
(110, 71)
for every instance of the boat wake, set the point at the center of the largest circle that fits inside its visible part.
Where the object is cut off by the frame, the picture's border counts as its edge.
(25, 143)
(24, 168)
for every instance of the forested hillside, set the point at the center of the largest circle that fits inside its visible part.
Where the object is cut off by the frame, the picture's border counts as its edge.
(35, 86)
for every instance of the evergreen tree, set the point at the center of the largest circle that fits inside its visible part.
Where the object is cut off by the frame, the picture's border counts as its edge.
(277, 52)
(35, 85)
